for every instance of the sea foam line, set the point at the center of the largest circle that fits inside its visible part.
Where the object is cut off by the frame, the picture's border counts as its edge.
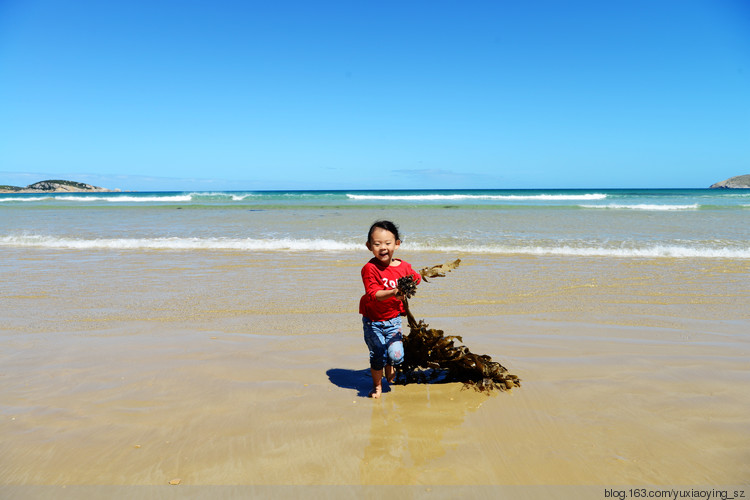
(176, 243)
(644, 206)
(328, 245)
(36, 198)
(223, 195)
(653, 251)
(455, 197)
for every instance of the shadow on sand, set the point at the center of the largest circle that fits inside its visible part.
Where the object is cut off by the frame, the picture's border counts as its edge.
(358, 380)
(361, 380)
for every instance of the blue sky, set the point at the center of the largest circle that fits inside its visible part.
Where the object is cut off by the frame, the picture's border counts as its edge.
(154, 95)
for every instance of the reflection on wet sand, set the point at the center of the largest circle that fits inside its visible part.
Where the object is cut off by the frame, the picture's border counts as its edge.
(412, 427)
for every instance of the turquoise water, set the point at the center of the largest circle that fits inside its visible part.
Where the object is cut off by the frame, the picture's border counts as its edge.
(664, 199)
(666, 223)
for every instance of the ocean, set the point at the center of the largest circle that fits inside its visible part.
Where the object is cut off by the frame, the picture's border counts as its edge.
(643, 223)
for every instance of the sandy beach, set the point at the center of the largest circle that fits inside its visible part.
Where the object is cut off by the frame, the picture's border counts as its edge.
(232, 369)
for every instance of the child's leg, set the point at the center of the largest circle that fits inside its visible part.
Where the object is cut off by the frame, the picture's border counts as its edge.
(377, 383)
(376, 344)
(390, 373)
(395, 350)
(375, 334)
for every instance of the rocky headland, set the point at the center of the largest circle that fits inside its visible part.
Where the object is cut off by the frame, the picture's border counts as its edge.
(738, 182)
(56, 186)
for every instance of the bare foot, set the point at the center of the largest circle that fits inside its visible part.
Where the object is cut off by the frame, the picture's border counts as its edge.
(376, 392)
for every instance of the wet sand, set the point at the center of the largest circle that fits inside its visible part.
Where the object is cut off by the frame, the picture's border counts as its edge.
(234, 369)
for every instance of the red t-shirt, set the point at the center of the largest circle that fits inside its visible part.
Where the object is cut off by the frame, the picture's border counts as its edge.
(375, 278)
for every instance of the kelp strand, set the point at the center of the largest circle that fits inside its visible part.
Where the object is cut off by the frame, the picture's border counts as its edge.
(431, 356)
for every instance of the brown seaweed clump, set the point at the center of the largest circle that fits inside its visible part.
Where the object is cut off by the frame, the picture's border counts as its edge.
(431, 356)
(407, 286)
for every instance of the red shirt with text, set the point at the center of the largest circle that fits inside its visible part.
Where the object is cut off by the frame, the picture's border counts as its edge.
(377, 277)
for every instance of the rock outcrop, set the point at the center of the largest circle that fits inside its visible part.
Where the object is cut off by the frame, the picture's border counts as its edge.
(738, 182)
(54, 186)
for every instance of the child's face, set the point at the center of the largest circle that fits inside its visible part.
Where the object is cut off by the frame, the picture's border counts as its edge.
(383, 244)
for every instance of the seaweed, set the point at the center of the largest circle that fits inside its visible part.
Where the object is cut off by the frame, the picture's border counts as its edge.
(432, 356)
(407, 286)
(439, 270)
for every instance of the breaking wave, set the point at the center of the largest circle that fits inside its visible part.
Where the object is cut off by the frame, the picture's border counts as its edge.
(176, 243)
(458, 197)
(645, 250)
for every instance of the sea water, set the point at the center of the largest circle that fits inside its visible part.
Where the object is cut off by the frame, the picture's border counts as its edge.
(639, 223)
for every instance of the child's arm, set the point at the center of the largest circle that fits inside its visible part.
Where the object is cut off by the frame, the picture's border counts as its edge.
(417, 277)
(374, 287)
(386, 294)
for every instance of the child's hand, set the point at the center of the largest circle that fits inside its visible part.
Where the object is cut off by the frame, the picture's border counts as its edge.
(407, 286)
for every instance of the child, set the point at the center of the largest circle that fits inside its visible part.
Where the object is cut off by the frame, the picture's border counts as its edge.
(381, 305)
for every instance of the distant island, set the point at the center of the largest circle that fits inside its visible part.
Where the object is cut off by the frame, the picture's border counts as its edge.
(738, 182)
(56, 186)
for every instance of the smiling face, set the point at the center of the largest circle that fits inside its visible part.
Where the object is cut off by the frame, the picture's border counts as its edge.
(383, 244)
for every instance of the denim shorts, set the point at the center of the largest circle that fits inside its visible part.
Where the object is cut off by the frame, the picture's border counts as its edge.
(385, 342)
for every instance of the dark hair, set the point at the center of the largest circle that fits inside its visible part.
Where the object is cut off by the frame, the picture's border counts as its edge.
(384, 224)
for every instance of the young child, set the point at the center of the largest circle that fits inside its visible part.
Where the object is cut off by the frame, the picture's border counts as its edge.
(381, 305)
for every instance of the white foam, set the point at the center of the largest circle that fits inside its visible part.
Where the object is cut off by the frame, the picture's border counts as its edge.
(457, 197)
(653, 251)
(26, 199)
(328, 245)
(219, 194)
(247, 244)
(644, 206)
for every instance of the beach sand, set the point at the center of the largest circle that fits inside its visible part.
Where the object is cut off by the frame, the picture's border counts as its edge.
(224, 368)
